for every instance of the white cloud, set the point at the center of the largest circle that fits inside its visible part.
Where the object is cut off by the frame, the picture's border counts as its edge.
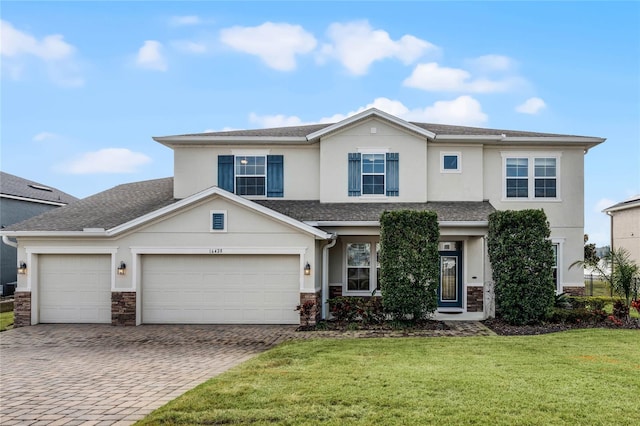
(150, 56)
(531, 106)
(188, 46)
(108, 160)
(43, 136)
(179, 21)
(489, 63)
(464, 110)
(57, 55)
(432, 77)
(277, 44)
(356, 45)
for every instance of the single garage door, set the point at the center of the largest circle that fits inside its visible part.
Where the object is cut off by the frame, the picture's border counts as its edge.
(75, 288)
(220, 289)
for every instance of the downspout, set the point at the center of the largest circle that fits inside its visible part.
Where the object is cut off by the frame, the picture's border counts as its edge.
(8, 242)
(325, 274)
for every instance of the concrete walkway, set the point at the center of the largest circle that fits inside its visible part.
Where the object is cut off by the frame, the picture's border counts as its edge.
(104, 375)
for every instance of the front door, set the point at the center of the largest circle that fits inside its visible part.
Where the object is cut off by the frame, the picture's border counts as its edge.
(450, 288)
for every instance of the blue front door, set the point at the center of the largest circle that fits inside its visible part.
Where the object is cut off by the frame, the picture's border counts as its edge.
(450, 288)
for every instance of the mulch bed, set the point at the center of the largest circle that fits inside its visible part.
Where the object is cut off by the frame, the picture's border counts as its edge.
(502, 328)
(386, 326)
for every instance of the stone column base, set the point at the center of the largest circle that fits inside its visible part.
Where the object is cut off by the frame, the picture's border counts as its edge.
(123, 308)
(475, 299)
(315, 312)
(21, 309)
(574, 291)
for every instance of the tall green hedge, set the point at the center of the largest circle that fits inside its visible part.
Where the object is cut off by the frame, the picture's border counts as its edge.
(409, 263)
(521, 256)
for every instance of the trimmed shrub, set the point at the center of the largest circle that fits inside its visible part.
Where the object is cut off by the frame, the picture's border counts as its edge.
(409, 263)
(344, 309)
(590, 302)
(521, 256)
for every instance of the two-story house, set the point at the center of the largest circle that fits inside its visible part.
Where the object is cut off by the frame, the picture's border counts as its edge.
(256, 221)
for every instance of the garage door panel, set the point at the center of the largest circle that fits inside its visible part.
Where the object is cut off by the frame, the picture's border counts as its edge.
(253, 289)
(74, 288)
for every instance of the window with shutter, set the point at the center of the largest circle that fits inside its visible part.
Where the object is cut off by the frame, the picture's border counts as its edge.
(373, 174)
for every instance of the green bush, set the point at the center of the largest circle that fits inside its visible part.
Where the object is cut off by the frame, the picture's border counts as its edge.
(590, 302)
(409, 263)
(521, 256)
(577, 316)
(344, 309)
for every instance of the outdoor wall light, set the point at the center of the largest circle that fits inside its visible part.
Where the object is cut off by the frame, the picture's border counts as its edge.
(22, 268)
(307, 269)
(122, 269)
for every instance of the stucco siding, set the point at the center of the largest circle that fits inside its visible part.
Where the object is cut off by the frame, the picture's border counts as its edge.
(196, 168)
(626, 231)
(453, 186)
(334, 150)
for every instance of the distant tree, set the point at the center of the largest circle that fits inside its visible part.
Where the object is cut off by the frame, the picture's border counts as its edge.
(590, 255)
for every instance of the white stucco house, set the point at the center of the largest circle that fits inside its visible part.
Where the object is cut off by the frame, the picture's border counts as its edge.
(625, 226)
(255, 221)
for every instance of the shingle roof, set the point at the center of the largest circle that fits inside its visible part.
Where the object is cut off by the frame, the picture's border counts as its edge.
(106, 209)
(314, 211)
(438, 129)
(628, 203)
(24, 188)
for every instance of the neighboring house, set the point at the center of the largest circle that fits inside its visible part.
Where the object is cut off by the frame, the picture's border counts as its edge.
(625, 226)
(255, 222)
(22, 199)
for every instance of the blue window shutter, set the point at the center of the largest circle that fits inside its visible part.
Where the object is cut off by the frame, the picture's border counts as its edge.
(217, 222)
(393, 175)
(225, 172)
(275, 176)
(355, 180)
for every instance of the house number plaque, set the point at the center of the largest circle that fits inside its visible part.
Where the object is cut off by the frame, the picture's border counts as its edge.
(215, 251)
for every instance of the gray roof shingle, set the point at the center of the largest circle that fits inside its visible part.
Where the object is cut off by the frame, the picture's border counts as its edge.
(314, 211)
(24, 188)
(106, 209)
(438, 129)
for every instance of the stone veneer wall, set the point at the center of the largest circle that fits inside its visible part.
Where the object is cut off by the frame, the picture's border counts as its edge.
(475, 299)
(335, 291)
(574, 291)
(315, 314)
(123, 308)
(21, 309)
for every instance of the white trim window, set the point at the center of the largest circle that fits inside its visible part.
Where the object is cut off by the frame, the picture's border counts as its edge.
(531, 176)
(362, 267)
(373, 174)
(450, 162)
(251, 175)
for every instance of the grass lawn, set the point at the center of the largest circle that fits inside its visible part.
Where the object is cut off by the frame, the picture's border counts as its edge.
(6, 320)
(575, 377)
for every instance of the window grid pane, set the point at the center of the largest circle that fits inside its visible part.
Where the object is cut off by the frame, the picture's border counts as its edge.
(250, 175)
(373, 174)
(450, 162)
(358, 266)
(517, 188)
(517, 167)
(545, 188)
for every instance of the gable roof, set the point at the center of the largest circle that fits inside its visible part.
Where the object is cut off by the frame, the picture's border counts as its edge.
(128, 206)
(313, 132)
(624, 205)
(316, 212)
(18, 188)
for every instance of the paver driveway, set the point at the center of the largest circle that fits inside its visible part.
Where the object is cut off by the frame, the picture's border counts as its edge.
(99, 374)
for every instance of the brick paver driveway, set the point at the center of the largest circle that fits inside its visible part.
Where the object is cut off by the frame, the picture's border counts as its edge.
(98, 374)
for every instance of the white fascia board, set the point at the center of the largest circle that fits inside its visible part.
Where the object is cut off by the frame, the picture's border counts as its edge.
(622, 207)
(171, 141)
(32, 200)
(372, 112)
(214, 190)
(555, 139)
(469, 138)
(80, 234)
(445, 223)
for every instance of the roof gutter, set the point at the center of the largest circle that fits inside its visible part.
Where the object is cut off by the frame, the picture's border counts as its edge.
(442, 223)
(33, 200)
(325, 275)
(7, 241)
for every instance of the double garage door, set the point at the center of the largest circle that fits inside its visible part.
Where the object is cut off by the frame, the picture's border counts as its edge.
(175, 289)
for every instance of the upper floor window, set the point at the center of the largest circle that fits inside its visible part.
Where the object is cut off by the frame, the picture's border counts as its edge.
(252, 175)
(373, 174)
(450, 162)
(531, 176)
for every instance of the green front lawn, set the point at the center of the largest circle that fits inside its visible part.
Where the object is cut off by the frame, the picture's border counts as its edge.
(575, 377)
(6, 320)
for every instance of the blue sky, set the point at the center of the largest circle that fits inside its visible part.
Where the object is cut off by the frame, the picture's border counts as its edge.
(85, 85)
